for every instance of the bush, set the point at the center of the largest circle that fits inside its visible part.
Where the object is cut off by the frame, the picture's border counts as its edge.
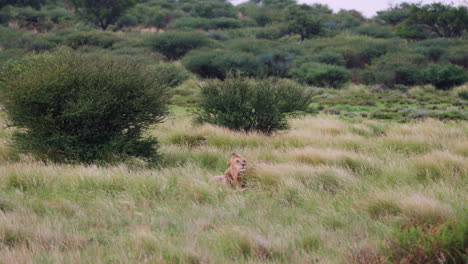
(426, 245)
(320, 74)
(394, 69)
(216, 64)
(74, 107)
(375, 30)
(176, 44)
(329, 57)
(217, 35)
(278, 63)
(78, 39)
(457, 55)
(269, 33)
(190, 22)
(170, 74)
(246, 104)
(445, 76)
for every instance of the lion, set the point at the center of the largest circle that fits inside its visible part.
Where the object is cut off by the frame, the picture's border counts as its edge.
(232, 175)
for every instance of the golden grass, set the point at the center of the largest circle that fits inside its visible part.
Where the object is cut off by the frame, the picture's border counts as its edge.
(313, 193)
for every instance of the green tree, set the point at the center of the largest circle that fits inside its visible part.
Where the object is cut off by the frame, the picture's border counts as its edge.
(396, 14)
(102, 13)
(444, 21)
(300, 21)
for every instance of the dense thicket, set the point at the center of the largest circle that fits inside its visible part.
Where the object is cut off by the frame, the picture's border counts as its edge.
(279, 38)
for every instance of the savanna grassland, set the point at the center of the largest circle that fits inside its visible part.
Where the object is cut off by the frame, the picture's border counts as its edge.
(333, 190)
(115, 115)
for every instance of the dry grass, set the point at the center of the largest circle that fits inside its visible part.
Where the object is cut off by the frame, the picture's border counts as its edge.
(328, 190)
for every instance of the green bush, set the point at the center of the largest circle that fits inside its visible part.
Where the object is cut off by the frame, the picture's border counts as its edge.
(176, 44)
(171, 74)
(278, 63)
(97, 38)
(445, 76)
(457, 55)
(269, 33)
(217, 35)
(190, 22)
(320, 74)
(251, 105)
(375, 30)
(217, 64)
(394, 69)
(329, 57)
(33, 19)
(68, 107)
(446, 242)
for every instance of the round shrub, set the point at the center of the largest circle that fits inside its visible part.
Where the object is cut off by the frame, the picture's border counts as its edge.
(246, 104)
(329, 57)
(176, 44)
(70, 107)
(394, 69)
(217, 64)
(171, 74)
(445, 76)
(97, 38)
(320, 74)
(269, 33)
(278, 63)
(375, 30)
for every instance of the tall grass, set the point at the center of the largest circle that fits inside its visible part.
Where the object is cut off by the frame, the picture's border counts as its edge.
(325, 191)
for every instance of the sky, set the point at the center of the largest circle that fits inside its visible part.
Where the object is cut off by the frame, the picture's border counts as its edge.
(367, 7)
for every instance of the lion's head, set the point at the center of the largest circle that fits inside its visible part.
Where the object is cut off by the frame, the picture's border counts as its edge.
(237, 163)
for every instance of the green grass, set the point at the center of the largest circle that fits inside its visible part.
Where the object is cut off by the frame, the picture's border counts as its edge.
(334, 192)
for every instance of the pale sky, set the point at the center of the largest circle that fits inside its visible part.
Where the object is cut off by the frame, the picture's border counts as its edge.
(367, 7)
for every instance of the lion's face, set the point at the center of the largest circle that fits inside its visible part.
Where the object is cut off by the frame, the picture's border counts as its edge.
(238, 163)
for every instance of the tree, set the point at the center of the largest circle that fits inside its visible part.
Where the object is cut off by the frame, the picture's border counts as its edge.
(300, 21)
(396, 14)
(102, 13)
(444, 21)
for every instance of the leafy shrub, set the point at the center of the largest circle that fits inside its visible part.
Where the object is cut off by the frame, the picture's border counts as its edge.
(217, 35)
(41, 44)
(269, 33)
(5, 15)
(59, 15)
(216, 64)
(224, 22)
(246, 104)
(394, 69)
(278, 63)
(320, 74)
(428, 245)
(33, 19)
(375, 30)
(78, 39)
(176, 44)
(74, 107)
(329, 57)
(445, 76)
(190, 22)
(170, 74)
(457, 55)
(128, 20)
